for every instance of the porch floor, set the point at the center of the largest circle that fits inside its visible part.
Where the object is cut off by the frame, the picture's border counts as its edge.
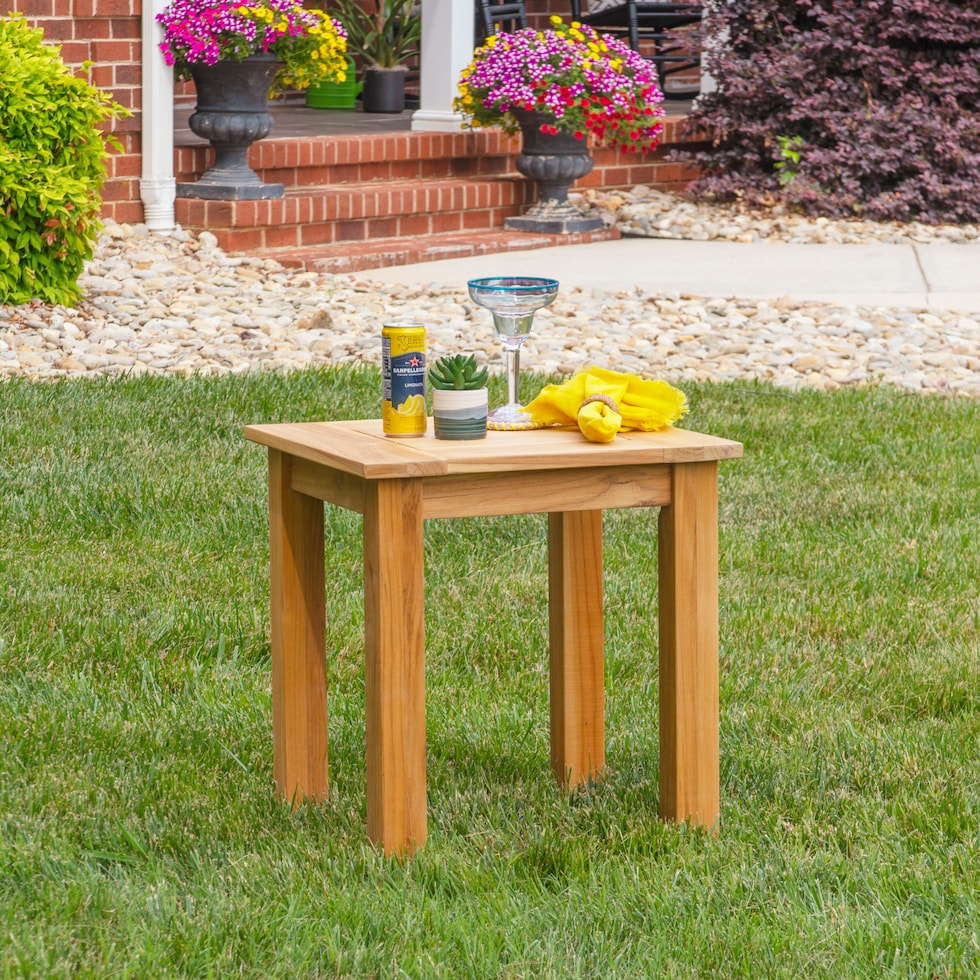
(297, 121)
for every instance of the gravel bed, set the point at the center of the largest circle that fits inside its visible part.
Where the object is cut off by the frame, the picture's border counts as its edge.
(179, 305)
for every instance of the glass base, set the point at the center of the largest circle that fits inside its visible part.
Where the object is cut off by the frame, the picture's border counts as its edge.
(512, 413)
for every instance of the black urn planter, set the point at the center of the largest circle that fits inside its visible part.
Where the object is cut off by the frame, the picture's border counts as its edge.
(554, 161)
(232, 113)
(384, 90)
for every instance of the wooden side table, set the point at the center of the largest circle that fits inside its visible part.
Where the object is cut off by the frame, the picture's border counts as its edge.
(396, 484)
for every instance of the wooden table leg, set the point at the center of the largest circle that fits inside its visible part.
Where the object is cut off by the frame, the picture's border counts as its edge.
(394, 640)
(298, 619)
(689, 767)
(576, 627)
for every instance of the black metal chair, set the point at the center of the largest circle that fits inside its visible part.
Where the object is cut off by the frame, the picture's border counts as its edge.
(492, 17)
(648, 26)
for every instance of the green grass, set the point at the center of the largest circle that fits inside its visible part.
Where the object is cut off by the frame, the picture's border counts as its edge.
(139, 832)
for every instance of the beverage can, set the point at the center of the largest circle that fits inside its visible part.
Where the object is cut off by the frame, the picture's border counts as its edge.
(403, 379)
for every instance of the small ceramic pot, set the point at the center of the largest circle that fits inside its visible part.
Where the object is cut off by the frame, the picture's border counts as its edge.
(459, 414)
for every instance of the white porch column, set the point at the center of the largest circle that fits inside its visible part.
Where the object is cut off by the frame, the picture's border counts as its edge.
(713, 39)
(447, 48)
(157, 185)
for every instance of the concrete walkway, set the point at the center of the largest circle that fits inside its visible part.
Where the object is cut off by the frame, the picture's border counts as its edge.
(941, 276)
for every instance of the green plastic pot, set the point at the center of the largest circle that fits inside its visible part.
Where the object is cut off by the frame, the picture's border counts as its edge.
(335, 95)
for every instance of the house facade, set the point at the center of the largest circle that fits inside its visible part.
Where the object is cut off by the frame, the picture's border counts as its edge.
(118, 42)
(118, 38)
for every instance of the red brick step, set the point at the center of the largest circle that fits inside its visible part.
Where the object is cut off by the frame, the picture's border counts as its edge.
(347, 257)
(393, 188)
(309, 216)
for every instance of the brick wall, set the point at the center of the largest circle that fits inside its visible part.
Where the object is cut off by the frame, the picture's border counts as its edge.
(107, 33)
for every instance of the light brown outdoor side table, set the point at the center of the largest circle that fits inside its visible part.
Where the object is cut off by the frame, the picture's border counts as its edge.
(398, 483)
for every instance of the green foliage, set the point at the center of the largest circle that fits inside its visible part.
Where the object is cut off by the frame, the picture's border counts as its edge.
(788, 162)
(458, 372)
(140, 835)
(386, 37)
(52, 164)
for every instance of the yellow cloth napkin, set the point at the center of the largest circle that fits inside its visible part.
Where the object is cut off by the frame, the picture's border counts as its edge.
(602, 402)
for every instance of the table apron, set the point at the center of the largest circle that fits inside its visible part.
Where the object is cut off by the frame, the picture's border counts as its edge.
(497, 494)
(325, 483)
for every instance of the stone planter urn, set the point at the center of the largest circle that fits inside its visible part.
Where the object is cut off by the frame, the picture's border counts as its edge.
(554, 162)
(232, 113)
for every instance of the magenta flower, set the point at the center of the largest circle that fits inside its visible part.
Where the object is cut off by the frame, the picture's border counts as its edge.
(309, 43)
(589, 83)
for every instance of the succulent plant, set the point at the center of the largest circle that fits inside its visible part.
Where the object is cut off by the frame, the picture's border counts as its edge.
(458, 372)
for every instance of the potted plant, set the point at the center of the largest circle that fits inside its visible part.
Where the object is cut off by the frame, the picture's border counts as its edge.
(238, 54)
(459, 397)
(385, 38)
(332, 94)
(559, 88)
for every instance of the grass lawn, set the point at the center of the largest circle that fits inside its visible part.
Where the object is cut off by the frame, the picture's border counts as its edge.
(140, 834)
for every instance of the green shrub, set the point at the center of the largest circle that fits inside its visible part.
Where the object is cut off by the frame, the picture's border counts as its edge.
(52, 164)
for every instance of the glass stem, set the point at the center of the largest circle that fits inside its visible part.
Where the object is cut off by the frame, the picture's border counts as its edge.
(513, 374)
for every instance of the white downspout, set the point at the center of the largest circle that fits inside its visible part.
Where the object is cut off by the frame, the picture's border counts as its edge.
(158, 187)
(447, 48)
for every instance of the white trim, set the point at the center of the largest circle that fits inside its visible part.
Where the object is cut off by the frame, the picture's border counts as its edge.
(158, 188)
(447, 48)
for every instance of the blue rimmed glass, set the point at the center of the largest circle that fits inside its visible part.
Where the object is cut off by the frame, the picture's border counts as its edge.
(512, 301)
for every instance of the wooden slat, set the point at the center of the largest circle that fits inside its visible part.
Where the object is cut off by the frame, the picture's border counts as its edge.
(335, 445)
(556, 448)
(538, 492)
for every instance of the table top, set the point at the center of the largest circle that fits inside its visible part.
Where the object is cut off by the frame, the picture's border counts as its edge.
(362, 449)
